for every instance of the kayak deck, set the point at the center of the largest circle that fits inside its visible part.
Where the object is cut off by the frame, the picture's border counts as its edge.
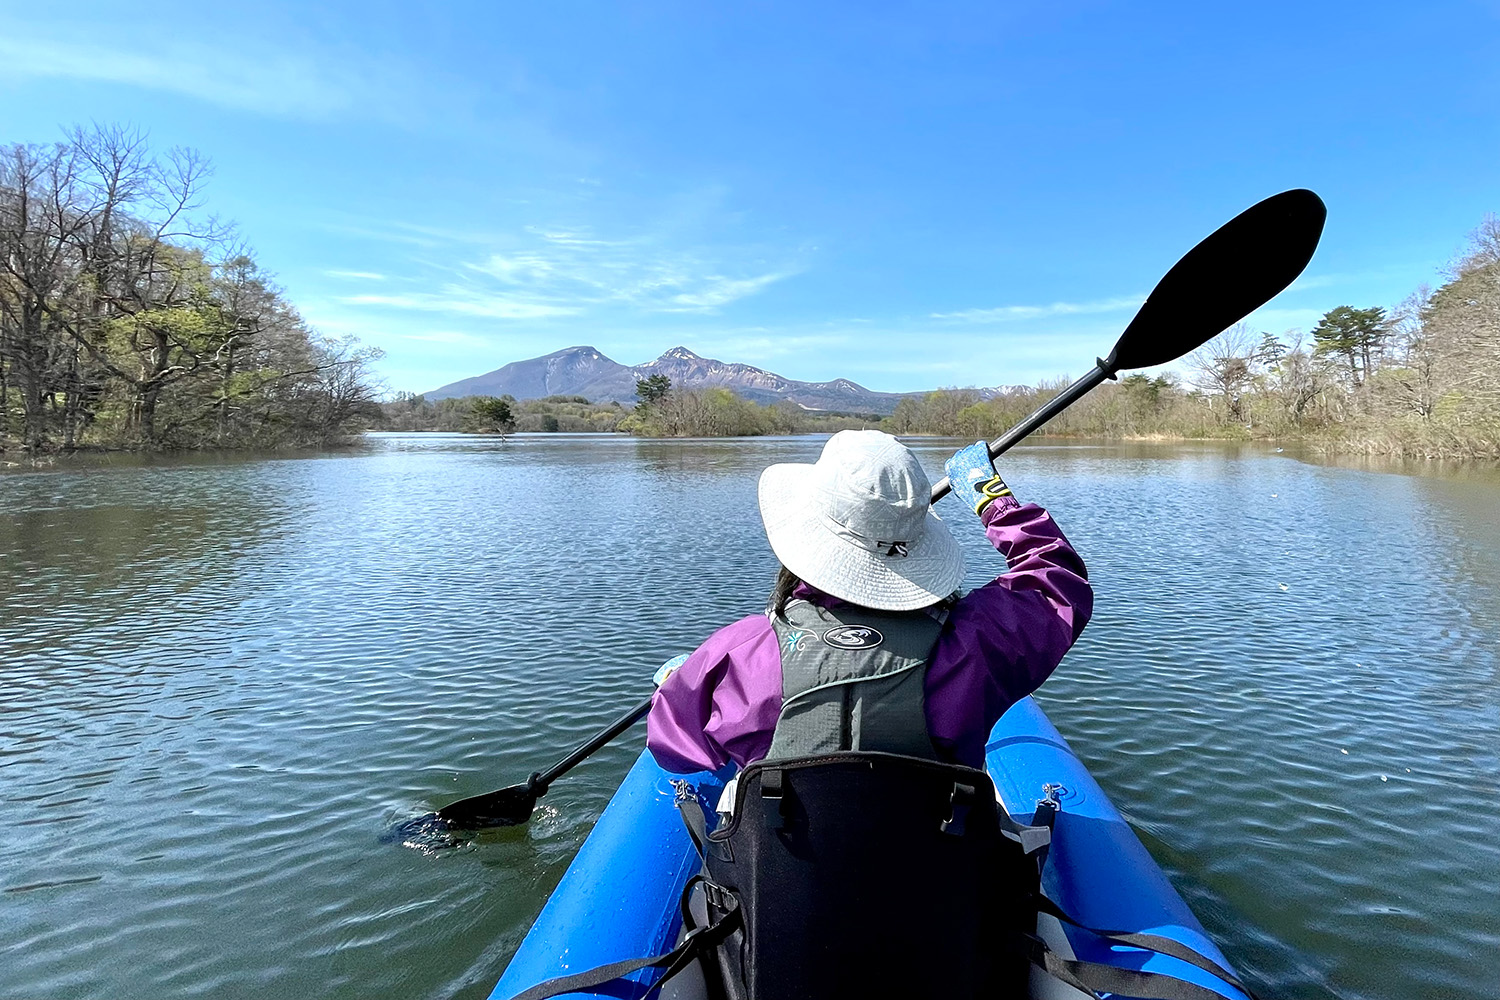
(619, 897)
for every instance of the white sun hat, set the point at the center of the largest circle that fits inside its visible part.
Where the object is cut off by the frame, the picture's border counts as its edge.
(859, 524)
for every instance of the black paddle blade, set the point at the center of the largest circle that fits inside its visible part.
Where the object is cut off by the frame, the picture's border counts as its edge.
(435, 831)
(506, 807)
(1240, 267)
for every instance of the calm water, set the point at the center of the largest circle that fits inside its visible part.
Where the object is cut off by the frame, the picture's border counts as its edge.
(221, 682)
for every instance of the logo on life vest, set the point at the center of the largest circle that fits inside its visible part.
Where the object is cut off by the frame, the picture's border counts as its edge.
(853, 637)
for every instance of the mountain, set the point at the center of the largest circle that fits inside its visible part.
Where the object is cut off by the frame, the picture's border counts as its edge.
(568, 372)
(583, 371)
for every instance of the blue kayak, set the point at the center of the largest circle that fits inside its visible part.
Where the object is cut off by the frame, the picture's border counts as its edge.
(620, 897)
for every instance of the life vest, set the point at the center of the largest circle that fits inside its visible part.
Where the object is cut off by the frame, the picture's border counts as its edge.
(853, 679)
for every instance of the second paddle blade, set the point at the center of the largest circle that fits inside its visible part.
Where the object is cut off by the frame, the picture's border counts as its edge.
(1237, 269)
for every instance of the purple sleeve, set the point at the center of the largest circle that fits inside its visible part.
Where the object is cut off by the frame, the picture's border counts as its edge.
(1004, 639)
(722, 703)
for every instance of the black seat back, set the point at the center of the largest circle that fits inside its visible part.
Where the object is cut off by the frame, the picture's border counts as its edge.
(870, 874)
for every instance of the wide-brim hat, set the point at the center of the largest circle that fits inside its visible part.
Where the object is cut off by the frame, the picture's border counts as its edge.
(858, 524)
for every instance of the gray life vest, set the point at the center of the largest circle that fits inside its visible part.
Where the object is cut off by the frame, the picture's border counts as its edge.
(853, 679)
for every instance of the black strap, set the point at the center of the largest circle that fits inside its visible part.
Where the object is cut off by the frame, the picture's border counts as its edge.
(1094, 978)
(1150, 942)
(693, 818)
(693, 943)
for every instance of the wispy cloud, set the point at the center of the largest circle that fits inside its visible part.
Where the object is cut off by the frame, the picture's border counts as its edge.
(546, 271)
(465, 302)
(717, 290)
(1001, 314)
(356, 275)
(273, 80)
(456, 338)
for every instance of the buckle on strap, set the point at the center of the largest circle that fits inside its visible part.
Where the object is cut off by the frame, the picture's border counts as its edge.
(718, 897)
(961, 801)
(773, 793)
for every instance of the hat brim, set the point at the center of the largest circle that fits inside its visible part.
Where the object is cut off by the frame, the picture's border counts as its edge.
(806, 544)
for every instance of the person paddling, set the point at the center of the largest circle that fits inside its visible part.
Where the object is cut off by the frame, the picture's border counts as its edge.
(867, 644)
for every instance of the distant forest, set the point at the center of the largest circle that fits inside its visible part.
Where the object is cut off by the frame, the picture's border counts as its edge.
(1422, 380)
(130, 320)
(665, 413)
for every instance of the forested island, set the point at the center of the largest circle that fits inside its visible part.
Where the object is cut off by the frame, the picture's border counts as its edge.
(130, 321)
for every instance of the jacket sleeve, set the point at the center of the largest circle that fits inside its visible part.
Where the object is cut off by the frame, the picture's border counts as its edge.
(721, 704)
(1005, 638)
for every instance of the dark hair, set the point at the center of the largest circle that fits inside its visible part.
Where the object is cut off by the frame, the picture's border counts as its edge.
(781, 590)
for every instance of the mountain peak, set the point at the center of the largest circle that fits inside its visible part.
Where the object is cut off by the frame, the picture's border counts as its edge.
(583, 371)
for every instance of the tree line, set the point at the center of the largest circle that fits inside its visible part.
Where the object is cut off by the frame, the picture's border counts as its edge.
(667, 411)
(130, 320)
(498, 414)
(1421, 380)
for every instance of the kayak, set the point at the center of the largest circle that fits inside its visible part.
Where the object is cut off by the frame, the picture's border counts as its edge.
(620, 897)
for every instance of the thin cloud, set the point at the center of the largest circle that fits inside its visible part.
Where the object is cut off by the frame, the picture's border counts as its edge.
(718, 291)
(577, 268)
(1001, 314)
(268, 80)
(464, 302)
(356, 275)
(454, 337)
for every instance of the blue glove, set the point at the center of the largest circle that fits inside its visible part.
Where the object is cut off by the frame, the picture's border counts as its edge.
(668, 669)
(973, 476)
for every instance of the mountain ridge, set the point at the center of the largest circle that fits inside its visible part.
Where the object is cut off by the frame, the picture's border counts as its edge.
(583, 370)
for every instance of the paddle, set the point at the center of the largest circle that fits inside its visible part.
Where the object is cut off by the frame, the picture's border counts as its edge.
(1237, 269)
(1241, 266)
(515, 803)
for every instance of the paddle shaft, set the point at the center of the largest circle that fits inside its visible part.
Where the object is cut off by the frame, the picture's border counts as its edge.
(583, 751)
(1044, 413)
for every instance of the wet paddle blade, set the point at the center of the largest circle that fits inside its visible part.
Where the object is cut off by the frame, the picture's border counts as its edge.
(506, 807)
(1237, 269)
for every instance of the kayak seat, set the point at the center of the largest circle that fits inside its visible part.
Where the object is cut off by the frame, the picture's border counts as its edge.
(867, 874)
(870, 874)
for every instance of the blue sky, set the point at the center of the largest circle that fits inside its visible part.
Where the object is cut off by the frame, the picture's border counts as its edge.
(909, 195)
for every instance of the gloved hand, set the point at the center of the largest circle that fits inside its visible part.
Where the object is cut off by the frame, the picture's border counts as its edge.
(974, 478)
(668, 669)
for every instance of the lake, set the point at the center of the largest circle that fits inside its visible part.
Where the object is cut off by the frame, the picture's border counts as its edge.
(222, 680)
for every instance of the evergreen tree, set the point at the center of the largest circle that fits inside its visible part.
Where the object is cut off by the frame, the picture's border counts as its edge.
(652, 390)
(1354, 336)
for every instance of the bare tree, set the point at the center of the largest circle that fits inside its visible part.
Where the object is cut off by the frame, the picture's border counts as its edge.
(1225, 367)
(344, 385)
(1462, 319)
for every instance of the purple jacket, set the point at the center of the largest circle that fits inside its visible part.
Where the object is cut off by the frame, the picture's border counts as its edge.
(999, 643)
